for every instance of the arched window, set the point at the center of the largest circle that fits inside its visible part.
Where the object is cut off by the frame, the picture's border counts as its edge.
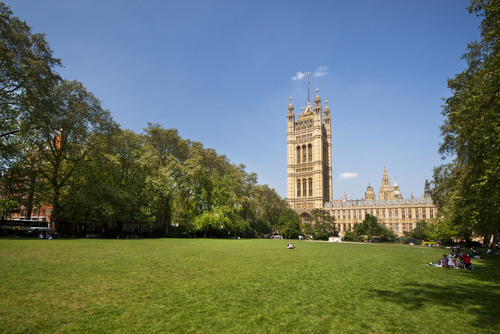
(304, 187)
(310, 151)
(298, 188)
(310, 187)
(304, 153)
(298, 154)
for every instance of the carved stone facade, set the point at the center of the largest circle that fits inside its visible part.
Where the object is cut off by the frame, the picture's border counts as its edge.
(391, 209)
(310, 186)
(309, 161)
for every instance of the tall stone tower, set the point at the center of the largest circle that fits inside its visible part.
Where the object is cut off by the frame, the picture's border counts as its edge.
(309, 158)
(386, 191)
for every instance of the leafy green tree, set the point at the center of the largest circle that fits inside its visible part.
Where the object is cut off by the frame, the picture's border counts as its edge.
(466, 190)
(421, 232)
(369, 227)
(289, 223)
(6, 206)
(352, 236)
(386, 235)
(267, 204)
(27, 73)
(63, 134)
(261, 227)
(164, 154)
(108, 187)
(322, 226)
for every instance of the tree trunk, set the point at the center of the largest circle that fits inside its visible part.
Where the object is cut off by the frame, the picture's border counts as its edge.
(56, 211)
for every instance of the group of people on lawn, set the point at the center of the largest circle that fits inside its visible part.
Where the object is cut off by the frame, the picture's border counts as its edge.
(456, 259)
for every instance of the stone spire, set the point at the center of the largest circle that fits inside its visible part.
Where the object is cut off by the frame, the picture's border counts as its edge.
(385, 178)
(290, 116)
(327, 109)
(386, 191)
(397, 193)
(317, 103)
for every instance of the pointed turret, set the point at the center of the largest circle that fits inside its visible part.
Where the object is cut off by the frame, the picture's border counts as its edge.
(397, 193)
(317, 103)
(386, 191)
(427, 189)
(370, 193)
(327, 109)
(290, 116)
(326, 117)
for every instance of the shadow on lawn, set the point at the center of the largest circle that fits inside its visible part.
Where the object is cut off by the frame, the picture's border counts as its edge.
(479, 300)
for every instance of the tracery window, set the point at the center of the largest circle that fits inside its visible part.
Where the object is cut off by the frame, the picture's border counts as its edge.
(304, 153)
(304, 187)
(298, 154)
(298, 188)
(310, 152)
(310, 187)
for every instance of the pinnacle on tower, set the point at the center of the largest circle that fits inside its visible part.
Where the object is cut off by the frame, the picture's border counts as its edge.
(317, 99)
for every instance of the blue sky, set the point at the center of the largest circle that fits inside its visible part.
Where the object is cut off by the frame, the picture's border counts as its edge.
(222, 73)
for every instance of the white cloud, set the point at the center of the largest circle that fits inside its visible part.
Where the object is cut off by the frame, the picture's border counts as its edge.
(321, 71)
(298, 76)
(347, 176)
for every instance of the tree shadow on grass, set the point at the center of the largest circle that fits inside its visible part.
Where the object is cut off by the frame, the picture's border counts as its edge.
(479, 300)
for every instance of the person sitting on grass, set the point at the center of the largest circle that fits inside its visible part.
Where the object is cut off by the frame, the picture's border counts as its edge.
(466, 260)
(443, 262)
(290, 246)
(451, 261)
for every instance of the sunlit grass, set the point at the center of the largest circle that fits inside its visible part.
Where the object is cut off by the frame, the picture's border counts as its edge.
(244, 286)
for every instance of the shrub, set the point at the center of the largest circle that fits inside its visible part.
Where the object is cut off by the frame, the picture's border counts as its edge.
(411, 239)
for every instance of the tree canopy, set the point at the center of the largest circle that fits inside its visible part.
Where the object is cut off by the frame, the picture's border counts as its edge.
(60, 147)
(27, 74)
(466, 189)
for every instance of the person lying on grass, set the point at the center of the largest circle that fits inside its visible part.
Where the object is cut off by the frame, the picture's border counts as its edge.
(290, 246)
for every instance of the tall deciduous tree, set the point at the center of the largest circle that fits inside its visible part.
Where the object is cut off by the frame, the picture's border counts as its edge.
(267, 204)
(370, 227)
(108, 188)
(63, 134)
(164, 153)
(323, 224)
(467, 190)
(289, 223)
(26, 73)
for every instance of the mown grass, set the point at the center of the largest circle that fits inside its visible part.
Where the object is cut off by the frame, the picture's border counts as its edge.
(240, 286)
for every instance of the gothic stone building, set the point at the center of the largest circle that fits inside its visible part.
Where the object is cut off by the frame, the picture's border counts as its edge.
(309, 179)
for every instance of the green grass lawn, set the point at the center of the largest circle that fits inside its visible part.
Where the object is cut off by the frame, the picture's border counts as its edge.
(240, 286)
